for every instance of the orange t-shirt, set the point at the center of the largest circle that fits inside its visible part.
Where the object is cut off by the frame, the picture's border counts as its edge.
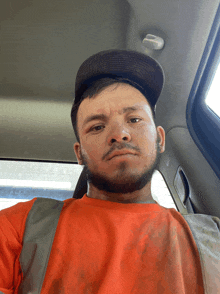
(107, 247)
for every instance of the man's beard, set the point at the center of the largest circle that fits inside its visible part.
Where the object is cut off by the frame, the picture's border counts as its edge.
(124, 183)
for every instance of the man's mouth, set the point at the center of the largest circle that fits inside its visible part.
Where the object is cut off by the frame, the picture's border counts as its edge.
(120, 153)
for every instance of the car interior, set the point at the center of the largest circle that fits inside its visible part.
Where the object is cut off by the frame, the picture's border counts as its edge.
(43, 43)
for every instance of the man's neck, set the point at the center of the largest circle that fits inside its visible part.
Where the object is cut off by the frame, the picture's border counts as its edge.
(138, 196)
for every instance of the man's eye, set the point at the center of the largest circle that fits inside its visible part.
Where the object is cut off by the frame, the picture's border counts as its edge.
(97, 128)
(134, 119)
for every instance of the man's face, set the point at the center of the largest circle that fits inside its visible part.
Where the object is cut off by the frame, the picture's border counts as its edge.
(119, 143)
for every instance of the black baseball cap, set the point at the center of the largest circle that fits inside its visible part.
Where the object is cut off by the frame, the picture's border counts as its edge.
(145, 72)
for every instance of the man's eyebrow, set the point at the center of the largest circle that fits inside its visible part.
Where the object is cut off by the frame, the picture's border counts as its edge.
(94, 117)
(130, 109)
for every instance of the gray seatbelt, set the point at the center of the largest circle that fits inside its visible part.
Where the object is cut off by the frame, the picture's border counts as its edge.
(38, 238)
(206, 232)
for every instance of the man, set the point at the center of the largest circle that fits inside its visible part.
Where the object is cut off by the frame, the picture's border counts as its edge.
(116, 239)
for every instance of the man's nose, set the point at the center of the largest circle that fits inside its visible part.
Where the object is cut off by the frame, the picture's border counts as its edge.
(119, 134)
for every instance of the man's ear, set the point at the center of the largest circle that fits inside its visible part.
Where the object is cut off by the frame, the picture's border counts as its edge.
(77, 150)
(161, 134)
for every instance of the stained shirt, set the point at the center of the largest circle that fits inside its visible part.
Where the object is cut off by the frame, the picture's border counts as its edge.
(107, 247)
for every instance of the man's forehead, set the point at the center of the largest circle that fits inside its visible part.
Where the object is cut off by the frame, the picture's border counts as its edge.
(103, 114)
(121, 99)
(112, 106)
(118, 96)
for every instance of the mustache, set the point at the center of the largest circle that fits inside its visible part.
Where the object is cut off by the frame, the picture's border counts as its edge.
(119, 146)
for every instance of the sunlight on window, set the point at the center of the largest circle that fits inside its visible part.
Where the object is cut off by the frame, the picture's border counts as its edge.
(35, 184)
(22, 175)
(213, 96)
(6, 202)
(160, 192)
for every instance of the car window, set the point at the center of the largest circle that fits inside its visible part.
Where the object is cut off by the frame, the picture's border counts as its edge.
(160, 192)
(213, 96)
(24, 180)
(202, 110)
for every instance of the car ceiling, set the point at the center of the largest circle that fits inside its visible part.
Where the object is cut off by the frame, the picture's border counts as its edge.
(45, 42)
